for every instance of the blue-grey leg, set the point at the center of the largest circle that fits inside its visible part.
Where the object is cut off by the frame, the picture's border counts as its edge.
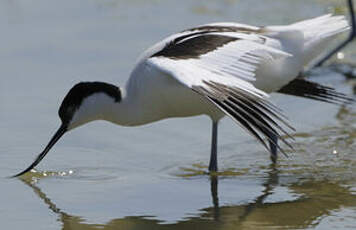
(213, 165)
(273, 148)
(348, 40)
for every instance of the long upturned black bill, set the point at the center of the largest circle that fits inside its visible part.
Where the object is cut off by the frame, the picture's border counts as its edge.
(51, 143)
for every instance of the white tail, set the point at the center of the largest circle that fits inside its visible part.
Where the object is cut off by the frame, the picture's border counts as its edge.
(318, 32)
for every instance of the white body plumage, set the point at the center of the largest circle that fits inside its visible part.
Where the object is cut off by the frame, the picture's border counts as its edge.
(160, 87)
(214, 69)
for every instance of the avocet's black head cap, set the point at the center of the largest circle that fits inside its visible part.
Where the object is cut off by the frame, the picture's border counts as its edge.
(71, 103)
(82, 90)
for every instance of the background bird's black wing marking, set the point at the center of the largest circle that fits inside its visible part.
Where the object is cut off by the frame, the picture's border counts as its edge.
(312, 90)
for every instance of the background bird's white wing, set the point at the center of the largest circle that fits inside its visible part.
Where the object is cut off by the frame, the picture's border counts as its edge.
(221, 68)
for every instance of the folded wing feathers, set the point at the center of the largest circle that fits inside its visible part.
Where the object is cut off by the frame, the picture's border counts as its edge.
(193, 72)
(247, 110)
(223, 76)
(238, 59)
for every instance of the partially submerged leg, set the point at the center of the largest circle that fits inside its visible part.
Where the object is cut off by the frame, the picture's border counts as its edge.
(273, 148)
(213, 165)
(273, 144)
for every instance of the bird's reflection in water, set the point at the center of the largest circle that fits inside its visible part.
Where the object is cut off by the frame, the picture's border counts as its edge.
(214, 195)
(318, 199)
(268, 186)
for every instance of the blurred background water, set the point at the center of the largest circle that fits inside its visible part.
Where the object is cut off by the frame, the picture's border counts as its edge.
(152, 177)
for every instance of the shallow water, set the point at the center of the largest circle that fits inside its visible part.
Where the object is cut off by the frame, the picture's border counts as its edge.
(153, 177)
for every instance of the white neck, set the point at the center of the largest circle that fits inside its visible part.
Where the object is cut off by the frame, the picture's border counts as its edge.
(125, 112)
(133, 109)
(130, 111)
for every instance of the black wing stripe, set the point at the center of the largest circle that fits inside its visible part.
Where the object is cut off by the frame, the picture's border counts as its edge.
(223, 28)
(201, 40)
(193, 45)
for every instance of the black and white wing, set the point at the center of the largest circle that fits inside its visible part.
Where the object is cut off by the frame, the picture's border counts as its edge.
(218, 61)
